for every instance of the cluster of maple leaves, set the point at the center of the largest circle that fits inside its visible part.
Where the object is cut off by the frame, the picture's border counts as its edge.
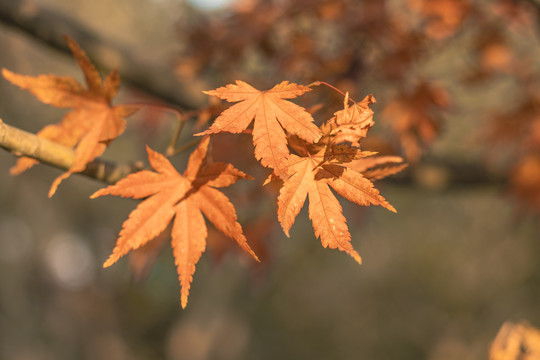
(356, 42)
(346, 42)
(306, 160)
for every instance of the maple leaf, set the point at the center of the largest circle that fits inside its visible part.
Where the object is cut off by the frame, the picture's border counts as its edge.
(377, 167)
(352, 123)
(312, 176)
(92, 123)
(182, 197)
(272, 116)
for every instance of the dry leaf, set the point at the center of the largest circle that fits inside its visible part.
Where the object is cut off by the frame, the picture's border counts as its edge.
(352, 123)
(182, 197)
(311, 176)
(90, 125)
(272, 113)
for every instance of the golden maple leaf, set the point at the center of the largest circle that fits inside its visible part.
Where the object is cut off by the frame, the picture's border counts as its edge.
(272, 113)
(91, 124)
(182, 197)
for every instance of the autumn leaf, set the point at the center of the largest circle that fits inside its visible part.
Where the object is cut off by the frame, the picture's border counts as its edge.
(312, 176)
(335, 161)
(90, 125)
(182, 197)
(272, 113)
(352, 123)
(377, 167)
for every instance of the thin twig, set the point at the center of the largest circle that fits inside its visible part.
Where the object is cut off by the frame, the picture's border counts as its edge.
(49, 26)
(186, 146)
(180, 117)
(171, 148)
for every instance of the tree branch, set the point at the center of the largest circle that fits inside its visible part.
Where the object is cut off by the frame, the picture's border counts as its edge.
(437, 174)
(49, 27)
(442, 173)
(22, 143)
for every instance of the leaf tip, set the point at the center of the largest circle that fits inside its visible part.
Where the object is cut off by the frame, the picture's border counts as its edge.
(110, 261)
(97, 194)
(357, 258)
(354, 254)
(241, 240)
(72, 44)
(286, 231)
(57, 182)
(151, 153)
(11, 76)
(6, 73)
(53, 188)
(254, 256)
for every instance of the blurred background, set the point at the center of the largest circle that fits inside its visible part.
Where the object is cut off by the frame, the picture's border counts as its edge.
(457, 89)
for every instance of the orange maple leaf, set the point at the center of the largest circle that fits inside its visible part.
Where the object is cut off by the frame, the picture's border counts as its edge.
(352, 123)
(92, 123)
(186, 198)
(377, 167)
(272, 116)
(310, 176)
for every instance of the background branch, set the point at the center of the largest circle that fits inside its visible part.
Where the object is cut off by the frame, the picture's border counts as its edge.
(22, 143)
(49, 26)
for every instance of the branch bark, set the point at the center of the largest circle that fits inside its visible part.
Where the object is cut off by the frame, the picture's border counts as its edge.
(22, 143)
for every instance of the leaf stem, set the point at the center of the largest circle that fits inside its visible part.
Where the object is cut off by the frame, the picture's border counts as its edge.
(179, 114)
(184, 147)
(317, 83)
(180, 117)
(170, 149)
